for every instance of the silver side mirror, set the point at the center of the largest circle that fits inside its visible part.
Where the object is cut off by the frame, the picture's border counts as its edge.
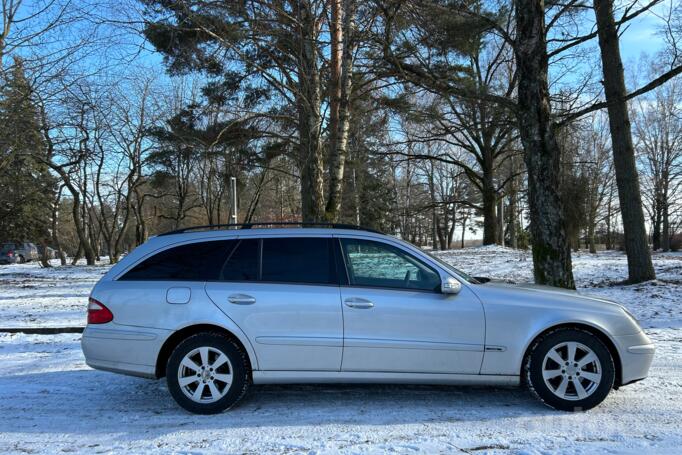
(450, 285)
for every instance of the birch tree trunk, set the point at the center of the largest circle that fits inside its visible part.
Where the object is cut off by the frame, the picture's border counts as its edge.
(640, 267)
(551, 252)
(339, 104)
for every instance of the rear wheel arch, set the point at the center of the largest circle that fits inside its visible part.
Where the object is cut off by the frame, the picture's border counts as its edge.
(179, 336)
(600, 334)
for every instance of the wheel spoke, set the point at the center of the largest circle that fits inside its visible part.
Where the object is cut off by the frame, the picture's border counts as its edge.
(184, 382)
(554, 355)
(203, 352)
(189, 363)
(561, 390)
(549, 374)
(215, 394)
(571, 347)
(198, 392)
(219, 361)
(226, 378)
(589, 358)
(579, 389)
(592, 377)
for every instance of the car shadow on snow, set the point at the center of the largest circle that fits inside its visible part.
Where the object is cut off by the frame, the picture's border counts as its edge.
(87, 401)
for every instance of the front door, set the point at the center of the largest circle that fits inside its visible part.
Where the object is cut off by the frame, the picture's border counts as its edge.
(284, 294)
(397, 320)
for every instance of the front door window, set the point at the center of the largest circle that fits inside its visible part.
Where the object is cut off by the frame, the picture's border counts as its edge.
(376, 264)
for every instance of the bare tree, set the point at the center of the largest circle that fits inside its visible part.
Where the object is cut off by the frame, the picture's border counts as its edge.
(658, 134)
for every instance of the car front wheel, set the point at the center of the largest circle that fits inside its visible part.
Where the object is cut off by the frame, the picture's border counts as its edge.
(570, 370)
(207, 373)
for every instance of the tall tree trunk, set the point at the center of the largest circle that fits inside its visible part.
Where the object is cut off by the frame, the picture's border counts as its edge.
(656, 225)
(309, 119)
(513, 240)
(609, 212)
(590, 236)
(551, 252)
(451, 231)
(339, 104)
(665, 227)
(55, 226)
(500, 221)
(640, 267)
(489, 201)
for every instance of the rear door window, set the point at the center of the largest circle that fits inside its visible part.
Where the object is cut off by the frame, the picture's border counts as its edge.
(306, 260)
(242, 264)
(202, 261)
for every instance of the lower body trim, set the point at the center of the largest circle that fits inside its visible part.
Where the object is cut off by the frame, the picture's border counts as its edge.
(362, 377)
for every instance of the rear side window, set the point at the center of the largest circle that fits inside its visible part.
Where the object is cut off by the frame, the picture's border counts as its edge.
(201, 261)
(242, 264)
(298, 260)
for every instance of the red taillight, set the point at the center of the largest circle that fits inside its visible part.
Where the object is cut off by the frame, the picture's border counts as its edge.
(98, 313)
(10, 253)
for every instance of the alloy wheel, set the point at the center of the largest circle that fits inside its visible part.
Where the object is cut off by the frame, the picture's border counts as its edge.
(571, 371)
(205, 375)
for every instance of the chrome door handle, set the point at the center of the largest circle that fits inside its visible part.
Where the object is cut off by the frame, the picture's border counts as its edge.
(241, 299)
(357, 302)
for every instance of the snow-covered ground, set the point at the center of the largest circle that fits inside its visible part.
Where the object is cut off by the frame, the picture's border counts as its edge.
(51, 402)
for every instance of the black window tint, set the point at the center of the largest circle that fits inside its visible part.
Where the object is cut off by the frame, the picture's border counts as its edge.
(191, 262)
(242, 264)
(376, 264)
(298, 260)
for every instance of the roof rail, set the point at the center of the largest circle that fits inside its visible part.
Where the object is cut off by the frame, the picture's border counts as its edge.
(305, 224)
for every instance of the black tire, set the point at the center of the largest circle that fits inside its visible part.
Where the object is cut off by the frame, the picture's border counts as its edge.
(533, 370)
(22, 260)
(240, 371)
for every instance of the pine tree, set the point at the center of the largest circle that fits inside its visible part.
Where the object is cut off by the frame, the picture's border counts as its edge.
(26, 186)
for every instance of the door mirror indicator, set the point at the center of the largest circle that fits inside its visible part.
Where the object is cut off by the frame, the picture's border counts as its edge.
(450, 285)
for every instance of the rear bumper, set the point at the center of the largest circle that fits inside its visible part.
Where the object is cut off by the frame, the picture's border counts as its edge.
(123, 349)
(636, 355)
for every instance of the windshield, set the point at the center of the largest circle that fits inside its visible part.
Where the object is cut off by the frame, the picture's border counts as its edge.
(458, 272)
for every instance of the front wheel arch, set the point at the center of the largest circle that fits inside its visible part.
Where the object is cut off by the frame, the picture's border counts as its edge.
(603, 337)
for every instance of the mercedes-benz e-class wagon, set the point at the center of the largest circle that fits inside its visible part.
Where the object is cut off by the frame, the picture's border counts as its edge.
(214, 311)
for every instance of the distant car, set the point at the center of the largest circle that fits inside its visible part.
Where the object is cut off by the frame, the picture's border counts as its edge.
(12, 253)
(216, 311)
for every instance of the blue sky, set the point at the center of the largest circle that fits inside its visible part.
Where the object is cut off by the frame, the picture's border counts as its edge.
(642, 36)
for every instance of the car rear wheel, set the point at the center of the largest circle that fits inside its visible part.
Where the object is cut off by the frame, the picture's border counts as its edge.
(570, 370)
(207, 373)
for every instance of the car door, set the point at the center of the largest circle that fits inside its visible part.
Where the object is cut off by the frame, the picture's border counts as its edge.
(397, 320)
(291, 308)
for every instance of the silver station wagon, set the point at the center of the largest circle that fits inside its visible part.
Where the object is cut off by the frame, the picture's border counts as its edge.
(214, 311)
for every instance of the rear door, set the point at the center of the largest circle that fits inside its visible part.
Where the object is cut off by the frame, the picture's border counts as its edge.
(288, 302)
(397, 320)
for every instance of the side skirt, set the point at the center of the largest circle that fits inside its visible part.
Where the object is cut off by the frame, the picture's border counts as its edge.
(363, 377)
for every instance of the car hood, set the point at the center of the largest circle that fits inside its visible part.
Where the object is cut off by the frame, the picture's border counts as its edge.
(552, 295)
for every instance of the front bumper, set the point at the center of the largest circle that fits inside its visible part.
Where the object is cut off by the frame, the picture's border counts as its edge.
(636, 355)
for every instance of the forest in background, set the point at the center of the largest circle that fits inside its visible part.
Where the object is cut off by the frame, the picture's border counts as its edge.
(515, 122)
